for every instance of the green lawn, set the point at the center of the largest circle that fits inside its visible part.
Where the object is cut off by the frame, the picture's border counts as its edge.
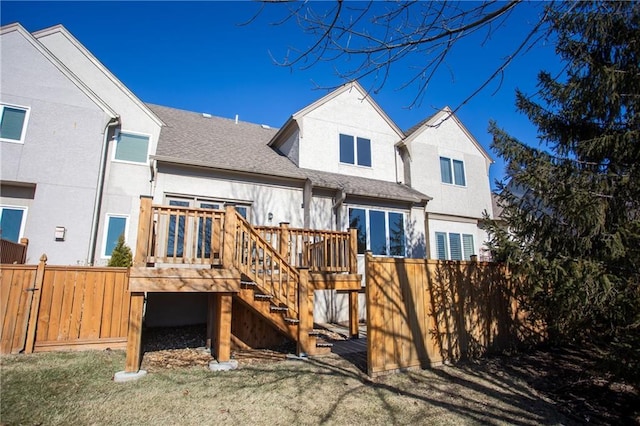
(77, 389)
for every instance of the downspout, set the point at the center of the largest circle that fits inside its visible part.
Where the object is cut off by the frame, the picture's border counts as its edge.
(97, 203)
(427, 233)
(341, 195)
(307, 194)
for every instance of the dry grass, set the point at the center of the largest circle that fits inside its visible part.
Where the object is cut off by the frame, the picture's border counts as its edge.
(76, 388)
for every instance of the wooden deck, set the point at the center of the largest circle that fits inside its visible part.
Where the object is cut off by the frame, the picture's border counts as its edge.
(271, 271)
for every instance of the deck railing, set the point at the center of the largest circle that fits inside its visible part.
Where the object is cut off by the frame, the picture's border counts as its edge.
(184, 235)
(11, 252)
(320, 251)
(256, 258)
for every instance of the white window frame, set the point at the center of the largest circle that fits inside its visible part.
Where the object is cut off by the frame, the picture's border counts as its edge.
(355, 151)
(24, 125)
(106, 232)
(448, 244)
(24, 216)
(453, 173)
(195, 201)
(130, 132)
(386, 228)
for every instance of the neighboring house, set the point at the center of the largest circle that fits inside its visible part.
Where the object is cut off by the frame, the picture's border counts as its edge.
(75, 149)
(447, 162)
(52, 129)
(340, 162)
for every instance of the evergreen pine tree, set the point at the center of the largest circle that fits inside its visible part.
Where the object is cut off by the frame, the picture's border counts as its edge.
(121, 255)
(572, 204)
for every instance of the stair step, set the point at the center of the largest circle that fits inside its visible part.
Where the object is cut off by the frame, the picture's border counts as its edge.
(275, 308)
(315, 333)
(292, 320)
(323, 344)
(248, 283)
(259, 296)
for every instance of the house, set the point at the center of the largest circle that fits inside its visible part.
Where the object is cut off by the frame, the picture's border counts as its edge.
(73, 172)
(336, 164)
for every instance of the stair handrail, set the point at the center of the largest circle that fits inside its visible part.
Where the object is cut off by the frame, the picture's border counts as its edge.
(246, 253)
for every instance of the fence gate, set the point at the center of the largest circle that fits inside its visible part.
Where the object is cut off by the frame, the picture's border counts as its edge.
(44, 308)
(16, 294)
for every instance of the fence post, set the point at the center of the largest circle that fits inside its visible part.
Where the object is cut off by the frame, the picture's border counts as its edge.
(230, 221)
(305, 312)
(35, 305)
(353, 250)
(283, 240)
(144, 224)
(25, 242)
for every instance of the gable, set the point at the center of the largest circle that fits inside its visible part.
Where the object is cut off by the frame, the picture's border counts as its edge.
(325, 128)
(444, 129)
(30, 71)
(90, 70)
(348, 97)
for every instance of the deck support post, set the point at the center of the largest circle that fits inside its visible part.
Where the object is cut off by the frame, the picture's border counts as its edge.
(221, 348)
(228, 251)
(353, 250)
(354, 332)
(211, 320)
(134, 333)
(136, 305)
(305, 312)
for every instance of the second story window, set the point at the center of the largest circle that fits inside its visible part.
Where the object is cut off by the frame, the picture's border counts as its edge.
(452, 171)
(355, 150)
(13, 123)
(132, 148)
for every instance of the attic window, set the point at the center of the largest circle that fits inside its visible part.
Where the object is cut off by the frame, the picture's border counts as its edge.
(452, 171)
(355, 150)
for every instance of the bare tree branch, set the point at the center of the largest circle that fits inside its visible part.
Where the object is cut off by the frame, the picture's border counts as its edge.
(372, 39)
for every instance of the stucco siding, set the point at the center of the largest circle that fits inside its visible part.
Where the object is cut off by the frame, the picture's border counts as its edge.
(348, 114)
(449, 141)
(60, 153)
(284, 202)
(123, 180)
(453, 226)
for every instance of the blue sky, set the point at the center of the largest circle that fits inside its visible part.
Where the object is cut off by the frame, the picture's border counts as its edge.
(197, 56)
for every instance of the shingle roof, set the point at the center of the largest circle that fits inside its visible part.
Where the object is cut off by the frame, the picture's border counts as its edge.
(220, 143)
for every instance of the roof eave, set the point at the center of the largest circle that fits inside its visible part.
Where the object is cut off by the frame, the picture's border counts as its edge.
(101, 67)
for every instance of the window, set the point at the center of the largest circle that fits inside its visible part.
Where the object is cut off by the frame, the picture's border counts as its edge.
(116, 226)
(132, 148)
(380, 231)
(452, 171)
(175, 240)
(13, 123)
(355, 150)
(204, 231)
(177, 226)
(454, 246)
(12, 220)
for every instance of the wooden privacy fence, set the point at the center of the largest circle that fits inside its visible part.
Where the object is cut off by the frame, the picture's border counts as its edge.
(44, 308)
(424, 312)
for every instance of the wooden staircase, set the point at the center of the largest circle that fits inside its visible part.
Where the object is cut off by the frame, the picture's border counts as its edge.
(271, 286)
